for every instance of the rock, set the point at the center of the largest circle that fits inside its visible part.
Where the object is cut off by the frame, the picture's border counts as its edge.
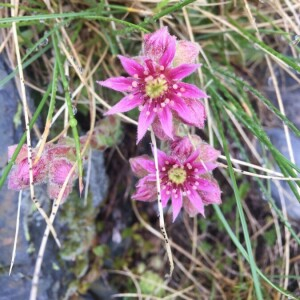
(277, 137)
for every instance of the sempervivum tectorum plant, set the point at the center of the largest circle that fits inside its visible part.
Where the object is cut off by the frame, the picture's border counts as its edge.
(185, 176)
(155, 84)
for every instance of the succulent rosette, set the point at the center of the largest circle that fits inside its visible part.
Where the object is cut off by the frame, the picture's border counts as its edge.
(155, 86)
(185, 176)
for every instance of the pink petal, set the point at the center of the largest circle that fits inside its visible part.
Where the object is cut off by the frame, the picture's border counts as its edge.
(150, 65)
(189, 207)
(144, 122)
(166, 120)
(194, 155)
(59, 170)
(208, 153)
(131, 66)
(145, 189)
(196, 201)
(191, 91)
(186, 53)
(182, 147)
(158, 130)
(176, 204)
(125, 104)
(120, 84)
(142, 165)
(192, 112)
(53, 190)
(156, 44)
(208, 185)
(164, 197)
(204, 167)
(210, 191)
(162, 158)
(22, 154)
(169, 53)
(182, 71)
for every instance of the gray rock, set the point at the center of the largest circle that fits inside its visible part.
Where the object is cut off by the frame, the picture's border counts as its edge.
(280, 189)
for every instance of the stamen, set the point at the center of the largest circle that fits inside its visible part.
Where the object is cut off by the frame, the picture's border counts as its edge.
(148, 113)
(141, 107)
(182, 89)
(179, 94)
(134, 84)
(131, 96)
(167, 100)
(161, 68)
(175, 86)
(136, 76)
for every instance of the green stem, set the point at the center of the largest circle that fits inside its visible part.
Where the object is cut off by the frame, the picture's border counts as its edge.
(72, 119)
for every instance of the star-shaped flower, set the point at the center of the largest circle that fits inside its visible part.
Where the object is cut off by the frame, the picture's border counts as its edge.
(155, 85)
(184, 177)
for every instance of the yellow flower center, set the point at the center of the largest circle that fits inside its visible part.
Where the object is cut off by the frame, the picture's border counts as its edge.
(177, 175)
(156, 87)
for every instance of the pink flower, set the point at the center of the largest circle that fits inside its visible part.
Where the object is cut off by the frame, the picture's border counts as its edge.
(52, 168)
(155, 86)
(58, 172)
(19, 175)
(184, 177)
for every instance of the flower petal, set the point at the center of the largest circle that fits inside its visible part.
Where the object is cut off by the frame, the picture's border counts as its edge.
(145, 189)
(120, 84)
(176, 204)
(186, 53)
(194, 155)
(164, 197)
(125, 104)
(162, 158)
(207, 185)
(204, 167)
(189, 207)
(145, 121)
(131, 66)
(191, 112)
(182, 71)
(196, 201)
(158, 130)
(142, 165)
(157, 43)
(166, 120)
(169, 53)
(191, 91)
(208, 153)
(210, 191)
